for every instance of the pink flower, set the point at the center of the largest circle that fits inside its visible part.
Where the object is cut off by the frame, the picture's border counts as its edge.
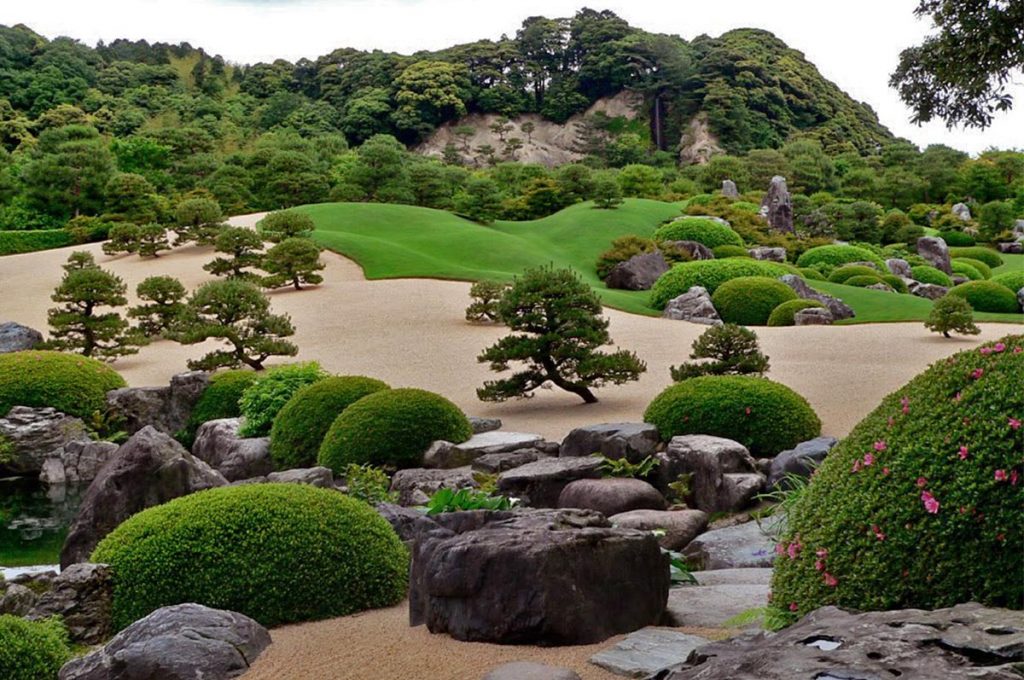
(930, 504)
(819, 565)
(885, 471)
(1014, 477)
(1001, 475)
(958, 397)
(977, 373)
(921, 482)
(985, 350)
(868, 459)
(747, 410)
(1018, 349)
(892, 421)
(821, 552)
(793, 550)
(963, 453)
(880, 446)
(905, 402)
(780, 548)
(1014, 423)
(793, 607)
(879, 534)
(856, 466)
(830, 580)
(999, 347)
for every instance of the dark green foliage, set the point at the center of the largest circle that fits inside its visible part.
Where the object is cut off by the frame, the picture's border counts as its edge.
(219, 400)
(243, 248)
(152, 238)
(32, 650)
(123, 238)
(197, 220)
(986, 255)
(485, 295)
(729, 250)
(996, 219)
(392, 427)
(932, 517)
(987, 296)
(750, 300)
(784, 314)
(812, 274)
(369, 484)
(278, 553)
(557, 330)
(848, 271)
(300, 426)
(928, 274)
(623, 248)
(292, 262)
(15, 242)
(979, 266)
(267, 395)
(764, 416)
(952, 313)
(701, 230)
(710, 274)
(964, 269)
(955, 239)
(1012, 280)
(827, 258)
(163, 304)
(607, 193)
(70, 383)
(285, 224)
(732, 349)
(621, 467)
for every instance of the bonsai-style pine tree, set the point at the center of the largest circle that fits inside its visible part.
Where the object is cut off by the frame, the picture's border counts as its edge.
(557, 330)
(293, 261)
(123, 237)
(285, 224)
(243, 248)
(152, 238)
(237, 313)
(732, 348)
(607, 194)
(197, 220)
(952, 313)
(77, 325)
(486, 295)
(163, 305)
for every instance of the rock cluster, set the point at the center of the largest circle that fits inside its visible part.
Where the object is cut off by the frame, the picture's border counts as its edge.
(694, 306)
(836, 307)
(166, 409)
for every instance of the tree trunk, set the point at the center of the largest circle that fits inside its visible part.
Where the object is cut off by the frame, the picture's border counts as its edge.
(945, 334)
(582, 391)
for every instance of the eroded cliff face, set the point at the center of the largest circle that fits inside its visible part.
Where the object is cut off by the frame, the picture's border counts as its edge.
(698, 143)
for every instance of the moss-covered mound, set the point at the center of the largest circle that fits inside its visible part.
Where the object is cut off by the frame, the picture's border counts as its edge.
(300, 426)
(750, 300)
(964, 269)
(276, 552)
(863, 281)
(1012, 281)
(828, 258)
(32, 650)
(699, 229)
(764, 416)
(70, 383)
(928, 274)
(219, 400)
(983, 269)
(392, 427)
(921, 505)
(848, 271)
(729, 250)
(956, 238)
(986, 255)
(784, 314)
(987, 296)
(710, 274)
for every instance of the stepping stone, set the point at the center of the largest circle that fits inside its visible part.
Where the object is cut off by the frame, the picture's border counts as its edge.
(712, 606)
(647, 651)
(528, 670)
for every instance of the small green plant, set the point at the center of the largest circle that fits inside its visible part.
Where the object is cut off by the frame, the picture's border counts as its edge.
(486, 482)
(732, 348)
(263, 400)
(105, 425)
(449, 500)
(747, 617)
(370, 484)
(620, 467)
(679, 571)
(681, 488)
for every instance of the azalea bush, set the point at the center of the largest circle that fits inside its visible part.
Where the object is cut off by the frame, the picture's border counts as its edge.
(827, 258)
(921, 505)
(699, 229)
(750, 300)
(987, 296)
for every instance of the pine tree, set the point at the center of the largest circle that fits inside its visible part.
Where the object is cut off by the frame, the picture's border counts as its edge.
(197, 220)
(163, 304)
(152, 238)
(285, 224)
(243, 245)
(952, 313)
(733, 349)
(293, 261)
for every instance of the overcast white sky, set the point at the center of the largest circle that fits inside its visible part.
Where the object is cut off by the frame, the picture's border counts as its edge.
(855, 44)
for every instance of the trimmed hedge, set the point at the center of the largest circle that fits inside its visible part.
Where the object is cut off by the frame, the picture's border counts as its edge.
(964, 269)
(300, 426)
(392, 427)
(765, 416)
(750, 300)
(699, 229)
(986, 255)
(848, 271)
(863, 281)
(986, 271)
(278, 553)
(710, 274)
(928, 274)
(987, 296)
(920, 505)
(1013, 281)
(830, 257)
(15, 242)
(70, 383)
(264, 398)
(784, 314)
(729, 250)
(811, 274)
(896, 283)
(32, 650)
(956, 239)
(219, 400)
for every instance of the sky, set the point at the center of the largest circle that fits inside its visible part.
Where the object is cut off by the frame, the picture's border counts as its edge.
(855, 44)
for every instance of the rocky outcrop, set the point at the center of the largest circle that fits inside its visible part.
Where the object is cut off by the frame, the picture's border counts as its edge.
(962, 211)
(407, 522)
(34, 434)
(813, 316)
(768, 254)
(742, 545)
(446, 455)
(801, 460)
(415, 486)
(777, 206)
(694, 306)
(638, 272)
(166, 409)
(82, 595)
(729, 189)
(149, 469)
(611, 495)
(77, 461)
(181, 642)
(839, 309)
(539, 484)
(898, 267)
(632, 441)
(679, 526)
(217, 443)
(549, 577)
(17, 338)
(930, 291)
(698, 143)
(935, 251)
(721, 474)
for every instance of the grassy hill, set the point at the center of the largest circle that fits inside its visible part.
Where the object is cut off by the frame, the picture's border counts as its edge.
(401, 241)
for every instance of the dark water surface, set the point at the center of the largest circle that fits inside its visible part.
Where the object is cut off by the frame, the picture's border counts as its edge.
(34, 520)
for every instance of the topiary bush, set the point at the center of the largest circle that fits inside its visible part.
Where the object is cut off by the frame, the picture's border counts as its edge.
(699, 229)
(710, 274)
(219, 400)
(956, 239)
(764, 416)
(848, 271)
(984, 269)
(1013, 281)
(811, 274)
(928, 274)
(32, 650)
(896, 283)
(986, 255)
(987, 296)
(392, 427)
(829, 257)
(275, 552)
(263, 399)
(750, 300)
(863, 281)
(70, 383)
(301, 424)
(784, 314)
(964, 269)
(920, 505)
(728, 250)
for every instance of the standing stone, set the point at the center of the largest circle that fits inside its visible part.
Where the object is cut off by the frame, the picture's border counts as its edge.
(962, 211)
(729, 189)
(34, 434)
(217, 443)
(632, 441)
(777, 206)
(82, 595)
(899, 267)
(17, 338)
(694, 306)
(165, 408)
(935, 251)
(638, 272)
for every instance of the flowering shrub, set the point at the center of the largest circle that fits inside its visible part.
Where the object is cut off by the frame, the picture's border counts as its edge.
(921, 505)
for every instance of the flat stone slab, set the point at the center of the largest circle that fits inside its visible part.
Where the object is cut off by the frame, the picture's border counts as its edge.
(713, 606)
(742, 576)
(528, 670)
(446, 455)
(743, 545)
(647, 651)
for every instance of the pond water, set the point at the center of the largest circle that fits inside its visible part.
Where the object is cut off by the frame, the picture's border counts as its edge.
(34, 519)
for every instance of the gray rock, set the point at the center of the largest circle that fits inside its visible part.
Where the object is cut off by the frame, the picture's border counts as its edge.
(167, 409)
(800, 460)
(549, 577)
(314, 476)
(149, 469)
(813, 316)
(481, 425)
(17, 338)
(446, 455)
(680, 526)
(711, 465)
(218, 444)
(495, 463)
(81, 461)
(539, 484)
(742, 545)
(964, 642)
(638, 272)
(695, 306)
(611, 495)
(647, 652)
(839, 309)
(962, 211)
(777, 206)
(182, 642)
(957, 280)
(1011, 247)
(711, 606)
(407, 522)
(415, 486)
(931, 291)
(935, 251)
(17, 600)
(632, 441)
(740, 489)
(35, 434)
(82, 595)
(1020, 297)
(768, 254)
(884, 287)
(898, 267)
(729, 189)
(528, 670)
(695, 249)
(1018, 229)
(729, 577)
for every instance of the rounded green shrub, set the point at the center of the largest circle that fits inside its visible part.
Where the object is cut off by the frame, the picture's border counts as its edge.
(710, 274)
(764, 416)
(301, 424)
(896, 283)
(956, 239)
(750, 300)
(964, 269)
(1013, 281)
(811, 274)
(830, 257)
(986, 255)
(72, 384)
(699, 229)
(746, 206)
(987, 296)
(262, 400)
(728, 250)
(863, 281)
(928, 274)
(219, 400)
(32, 650)
(848, 271)
(920, 506)
(392, 427)
(784, 313)
(275, 552)
(984, 269)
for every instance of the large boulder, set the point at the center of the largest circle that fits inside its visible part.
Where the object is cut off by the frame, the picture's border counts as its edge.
(539, 484)
(167, 409)
(611, 495)
(694, 306)
(962, 211)
(318, 476)
(723, 476)
(777, 206)
(149, 469)
(632, 441)
(35, 434)
(899, 267)
(407, 522)
(964, 642)
(217, 443)
(78, 461)
(181, 642)
(930, 291)
(638, 272)
(82, 595)
(839, 309)
(17, 599)
(679, 527)
(768, 254)
(17, 338)
(935, 251)
(496, 463)
(800, 460)
(695, 249)
(548, 577)
(743, 545)
(446, 455)
(415, 486)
